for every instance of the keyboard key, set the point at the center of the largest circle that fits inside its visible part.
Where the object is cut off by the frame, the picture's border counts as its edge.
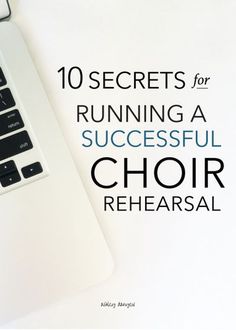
(7, 168)
(10, 179)
(15, 144)
(10, 121)
(6, 99)
(2, 79)
(31, 170)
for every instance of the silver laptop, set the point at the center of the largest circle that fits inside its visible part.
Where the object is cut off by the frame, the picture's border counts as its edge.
(50, 243)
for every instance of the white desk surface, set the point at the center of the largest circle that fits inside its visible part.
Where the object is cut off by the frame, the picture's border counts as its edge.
(178, 268)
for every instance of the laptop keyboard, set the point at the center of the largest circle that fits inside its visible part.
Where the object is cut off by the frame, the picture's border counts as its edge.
(14, 140)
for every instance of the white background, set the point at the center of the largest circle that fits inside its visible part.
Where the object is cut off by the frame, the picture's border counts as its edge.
(179, 268)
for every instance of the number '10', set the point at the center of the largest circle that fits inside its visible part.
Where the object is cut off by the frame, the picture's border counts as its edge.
(72, 77)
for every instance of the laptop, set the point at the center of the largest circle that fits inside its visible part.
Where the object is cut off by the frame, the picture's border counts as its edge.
(51, 245)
